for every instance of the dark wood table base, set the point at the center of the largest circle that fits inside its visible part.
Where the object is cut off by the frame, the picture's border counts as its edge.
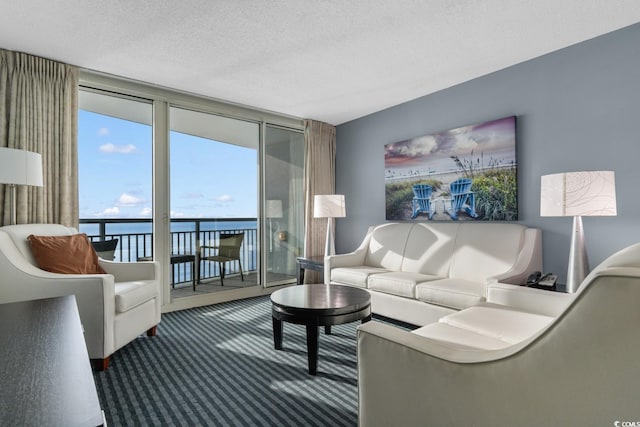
(315, 306)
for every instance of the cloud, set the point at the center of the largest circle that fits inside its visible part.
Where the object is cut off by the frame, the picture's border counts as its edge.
(114, 211)
(462, 144)
(175, 214)
(193, 195)
(103, 131)
(129, 200)
(412, 148)
(225, 198)
(119, 149)
(146, 212)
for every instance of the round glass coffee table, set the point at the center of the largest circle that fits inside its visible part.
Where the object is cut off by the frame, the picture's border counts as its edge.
(315, 306)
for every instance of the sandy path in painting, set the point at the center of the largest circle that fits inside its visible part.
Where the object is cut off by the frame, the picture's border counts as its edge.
(437, 198)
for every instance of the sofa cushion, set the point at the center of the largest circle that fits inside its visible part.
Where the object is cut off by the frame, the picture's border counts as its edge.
(132, 294)
(65, 254)
(399, 283)
(387, 244)
(498, 321)
(486, 250)
(453, 293)
(460, 338)
(354, 276)
(429, 248)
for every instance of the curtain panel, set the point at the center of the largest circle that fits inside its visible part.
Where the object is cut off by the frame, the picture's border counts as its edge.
(319, 178)
(39, 112)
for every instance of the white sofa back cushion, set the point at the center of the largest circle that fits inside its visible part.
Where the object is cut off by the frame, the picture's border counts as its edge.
(429, 248)
(387, 244)
(485, 250)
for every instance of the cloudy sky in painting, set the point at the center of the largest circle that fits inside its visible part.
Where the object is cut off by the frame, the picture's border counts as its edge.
(497, 136)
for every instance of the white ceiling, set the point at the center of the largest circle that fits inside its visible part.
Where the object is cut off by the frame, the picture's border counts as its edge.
(328, 60)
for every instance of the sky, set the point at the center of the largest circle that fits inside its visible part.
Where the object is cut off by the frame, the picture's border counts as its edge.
(491, 141)
(209, 179)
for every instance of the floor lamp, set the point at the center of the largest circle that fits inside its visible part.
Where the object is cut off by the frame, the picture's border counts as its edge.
(329, 206)
(19, 167)
(578, 194)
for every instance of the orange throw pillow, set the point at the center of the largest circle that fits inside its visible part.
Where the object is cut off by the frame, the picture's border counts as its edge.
(65, 254)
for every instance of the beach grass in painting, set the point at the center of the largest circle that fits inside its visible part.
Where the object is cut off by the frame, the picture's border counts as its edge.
(470, 173)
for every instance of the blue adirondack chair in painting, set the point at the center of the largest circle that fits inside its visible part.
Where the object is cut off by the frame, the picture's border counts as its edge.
(462, 198)
(422, 200)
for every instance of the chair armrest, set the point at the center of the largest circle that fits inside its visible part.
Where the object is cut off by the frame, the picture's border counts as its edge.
(533, 300)
(95, 296)
(129, 271)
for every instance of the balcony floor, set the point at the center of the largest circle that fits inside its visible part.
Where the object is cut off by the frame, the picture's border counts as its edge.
(207, 286)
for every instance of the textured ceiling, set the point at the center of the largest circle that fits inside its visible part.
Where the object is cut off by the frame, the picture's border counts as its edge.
(329, 60)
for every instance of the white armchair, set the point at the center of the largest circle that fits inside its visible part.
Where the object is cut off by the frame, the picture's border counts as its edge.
(115, 308)
(581, 368)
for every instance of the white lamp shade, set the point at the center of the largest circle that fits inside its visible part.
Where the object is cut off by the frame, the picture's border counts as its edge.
(329, 206)
(20, 167)
(590, 193)
(274, 208)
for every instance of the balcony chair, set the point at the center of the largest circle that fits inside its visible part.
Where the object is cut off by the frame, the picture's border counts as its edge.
(422, 201)
(228, 250)
(462, 198)
(106, 249)
(115, 308)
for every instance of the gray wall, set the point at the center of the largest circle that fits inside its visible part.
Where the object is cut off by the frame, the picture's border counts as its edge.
(577, 109)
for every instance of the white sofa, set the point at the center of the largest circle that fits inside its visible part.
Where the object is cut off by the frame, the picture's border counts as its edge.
(114, 308)
(420, 272)
(526, 357)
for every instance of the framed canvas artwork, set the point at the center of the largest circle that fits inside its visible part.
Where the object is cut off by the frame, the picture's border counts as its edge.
(463, 174)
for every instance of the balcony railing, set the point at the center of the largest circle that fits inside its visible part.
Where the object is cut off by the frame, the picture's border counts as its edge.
(136, 241)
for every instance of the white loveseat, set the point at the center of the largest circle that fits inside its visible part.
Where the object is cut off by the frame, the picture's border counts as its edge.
(526, 357)
(114, 308)
(420, 272)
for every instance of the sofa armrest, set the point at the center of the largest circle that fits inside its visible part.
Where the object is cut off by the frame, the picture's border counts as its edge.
(408, 377)
(350, 259)
(533, 300)
(129, 271)
(403, 376)
(529, 259)
(343, 260)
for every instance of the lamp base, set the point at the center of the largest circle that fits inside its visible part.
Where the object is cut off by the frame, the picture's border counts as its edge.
(578, 261)
(330, 247)
(13, 204)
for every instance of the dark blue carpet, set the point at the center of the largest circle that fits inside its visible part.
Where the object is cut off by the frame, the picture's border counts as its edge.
(216, 366)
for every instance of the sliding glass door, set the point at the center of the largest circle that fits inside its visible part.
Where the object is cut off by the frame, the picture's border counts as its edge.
(214, 200)
(283, 203)
(115, 163)
(175, 177)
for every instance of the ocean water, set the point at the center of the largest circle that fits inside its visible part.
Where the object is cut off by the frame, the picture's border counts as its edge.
(146, 227)
(136, 239)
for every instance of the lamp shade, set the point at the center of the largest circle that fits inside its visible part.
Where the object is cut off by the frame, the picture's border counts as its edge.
(590, 193)
(274, 208)
(20, 167)
(329, 206)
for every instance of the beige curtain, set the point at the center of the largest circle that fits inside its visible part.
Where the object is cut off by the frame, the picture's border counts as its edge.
(319, 178)
(39, 112)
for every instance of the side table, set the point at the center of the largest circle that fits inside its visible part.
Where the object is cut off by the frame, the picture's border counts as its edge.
(558, 287)
(45, 373)
(314, 263)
